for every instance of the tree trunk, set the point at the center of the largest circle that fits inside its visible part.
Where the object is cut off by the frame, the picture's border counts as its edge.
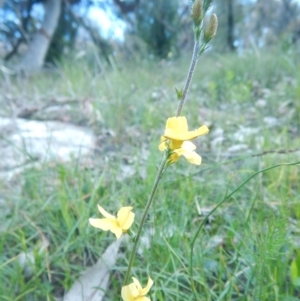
(34, 57)
(230, 28)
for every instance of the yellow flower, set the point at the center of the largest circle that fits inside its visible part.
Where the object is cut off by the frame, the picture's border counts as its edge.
(135, 292)
(116, 225)
(177, 139)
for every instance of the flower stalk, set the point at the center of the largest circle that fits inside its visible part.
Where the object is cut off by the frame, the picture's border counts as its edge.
(159, 175)
(189, 76)
(175, 142)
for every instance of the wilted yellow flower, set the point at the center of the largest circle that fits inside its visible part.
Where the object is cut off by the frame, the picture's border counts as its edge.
(177, 139)
(135, 292)
(116, 225)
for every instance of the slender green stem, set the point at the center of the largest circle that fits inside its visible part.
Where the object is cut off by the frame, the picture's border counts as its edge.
(147, 207)
(164, 161)
(189, 76)
(227, 196)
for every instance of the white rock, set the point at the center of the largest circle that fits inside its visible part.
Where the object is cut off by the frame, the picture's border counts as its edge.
(25, 141)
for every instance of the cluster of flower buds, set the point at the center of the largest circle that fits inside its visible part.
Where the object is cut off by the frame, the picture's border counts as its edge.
(198, 12)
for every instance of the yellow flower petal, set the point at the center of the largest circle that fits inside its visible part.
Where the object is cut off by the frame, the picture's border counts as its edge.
(105, 213)
(173, 144)
(193, 157)
(189, 135)
(162, 146)
(177, 124)
(177, 139)
(173, 158)
(188, 146)
(137, 284)
(117, 225)
(129, 292)
(187, 150)
(177, 129)
(101, 223)
(115, 229)
(203, 130)
(176, 144)
(128, 223)
(147, 288)
(125, 217)
(143, 298)
(162, 139)
(135, 292)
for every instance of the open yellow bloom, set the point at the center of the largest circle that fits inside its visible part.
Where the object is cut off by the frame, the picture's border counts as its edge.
(177, 139)
(116, 225)
(135, 292)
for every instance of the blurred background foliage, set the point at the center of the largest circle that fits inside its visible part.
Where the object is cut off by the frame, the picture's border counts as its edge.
(155, 29)
(123, 89)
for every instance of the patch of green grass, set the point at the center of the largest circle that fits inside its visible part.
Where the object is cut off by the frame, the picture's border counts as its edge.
(245, 248)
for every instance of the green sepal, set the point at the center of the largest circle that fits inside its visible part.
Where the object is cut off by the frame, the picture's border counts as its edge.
(206, 5)
(131, 233)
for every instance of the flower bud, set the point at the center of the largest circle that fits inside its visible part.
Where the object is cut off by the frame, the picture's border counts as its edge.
(197, 12)
(211, 29)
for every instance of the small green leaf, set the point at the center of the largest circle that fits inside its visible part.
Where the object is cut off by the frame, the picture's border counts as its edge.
(294, 273)
(179, 93)
(297, 261)
(294, 270)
